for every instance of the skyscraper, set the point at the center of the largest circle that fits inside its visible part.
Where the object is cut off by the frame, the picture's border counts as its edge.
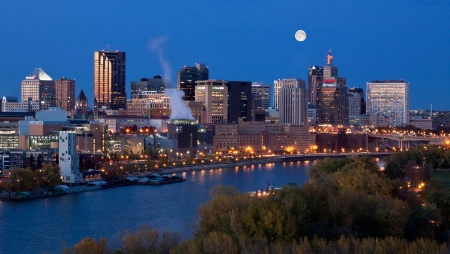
(332, 96)
(293, 102)
(65, 94)
(109, 79)
(260, 96)
(357, 108)
(239, 101)
(276, 93)
(315, 79)
(389, 98)
(38, 87)
(214, 95)
(186, 78)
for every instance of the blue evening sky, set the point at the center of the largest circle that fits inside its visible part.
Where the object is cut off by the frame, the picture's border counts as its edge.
(237, 40)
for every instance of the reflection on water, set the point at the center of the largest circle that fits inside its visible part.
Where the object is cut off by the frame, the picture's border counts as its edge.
(42, 225)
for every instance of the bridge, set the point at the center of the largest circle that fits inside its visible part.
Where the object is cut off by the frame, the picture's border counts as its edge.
(318, 156)
(405, 141)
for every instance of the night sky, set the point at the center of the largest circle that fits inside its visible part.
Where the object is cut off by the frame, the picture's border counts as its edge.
(237, 40)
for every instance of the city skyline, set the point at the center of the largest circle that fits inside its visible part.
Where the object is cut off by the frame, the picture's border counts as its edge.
(385, 40)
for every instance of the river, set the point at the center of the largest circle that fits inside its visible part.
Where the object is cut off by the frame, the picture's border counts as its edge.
(47, 225)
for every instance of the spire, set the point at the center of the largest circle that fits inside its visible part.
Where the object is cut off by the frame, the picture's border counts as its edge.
(329, 58)
(82, 96)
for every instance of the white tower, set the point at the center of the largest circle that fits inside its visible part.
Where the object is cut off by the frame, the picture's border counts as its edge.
(68, 157)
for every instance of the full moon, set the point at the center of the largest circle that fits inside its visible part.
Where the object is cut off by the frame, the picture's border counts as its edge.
(300, 35)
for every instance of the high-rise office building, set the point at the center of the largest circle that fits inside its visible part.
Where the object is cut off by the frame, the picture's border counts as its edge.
(38, 87)
(276, 93)
(332, 96)
(214, 96)
(186, 78)
(65, 94)
(155, 84)
(293, 102)
(239, 101)
(389, 98)
(356, 92)
(260, 96)
(109, 79)
(315, 79)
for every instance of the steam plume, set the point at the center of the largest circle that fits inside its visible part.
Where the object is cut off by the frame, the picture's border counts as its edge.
(156, 46)
(179, 109)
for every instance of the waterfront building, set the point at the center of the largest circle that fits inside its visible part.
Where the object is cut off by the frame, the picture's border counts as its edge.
(239, 101)
(184, 134)
(12, 104)
(389, 98)
(214, 96)
(68, 158)
(39, 88)
(315, 79)
(258, 137)
(293, 102)
(187, 77)
(65, 94)
(341, 141)
(10, 158)
(155, 84)
(109, 79)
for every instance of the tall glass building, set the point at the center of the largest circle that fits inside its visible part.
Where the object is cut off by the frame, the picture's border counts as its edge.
(389, 98)
(186, 78)
(109, 79)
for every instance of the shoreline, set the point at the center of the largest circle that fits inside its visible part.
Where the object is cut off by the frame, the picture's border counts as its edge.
(191, 168)
(4, 196)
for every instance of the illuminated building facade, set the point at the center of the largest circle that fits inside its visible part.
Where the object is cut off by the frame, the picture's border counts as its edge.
(149, 103)
(315, 78)
(39, 88)
(293, 102)
(65, 94)
(187, 77)
(214, 96)
(109, 79)
(389, 98)
(276, 93)
(332, 96)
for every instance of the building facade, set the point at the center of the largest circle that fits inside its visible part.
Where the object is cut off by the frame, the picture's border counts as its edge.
(109, 79)
(389, 98)
(293, 102)
(187, 77)
(214, 96)
(239, 101)
(39, 88)
(315, 79)
(155, 84)
(65, 94)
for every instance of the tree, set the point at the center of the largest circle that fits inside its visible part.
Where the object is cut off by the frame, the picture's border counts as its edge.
(50, 175)
(89, 246)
